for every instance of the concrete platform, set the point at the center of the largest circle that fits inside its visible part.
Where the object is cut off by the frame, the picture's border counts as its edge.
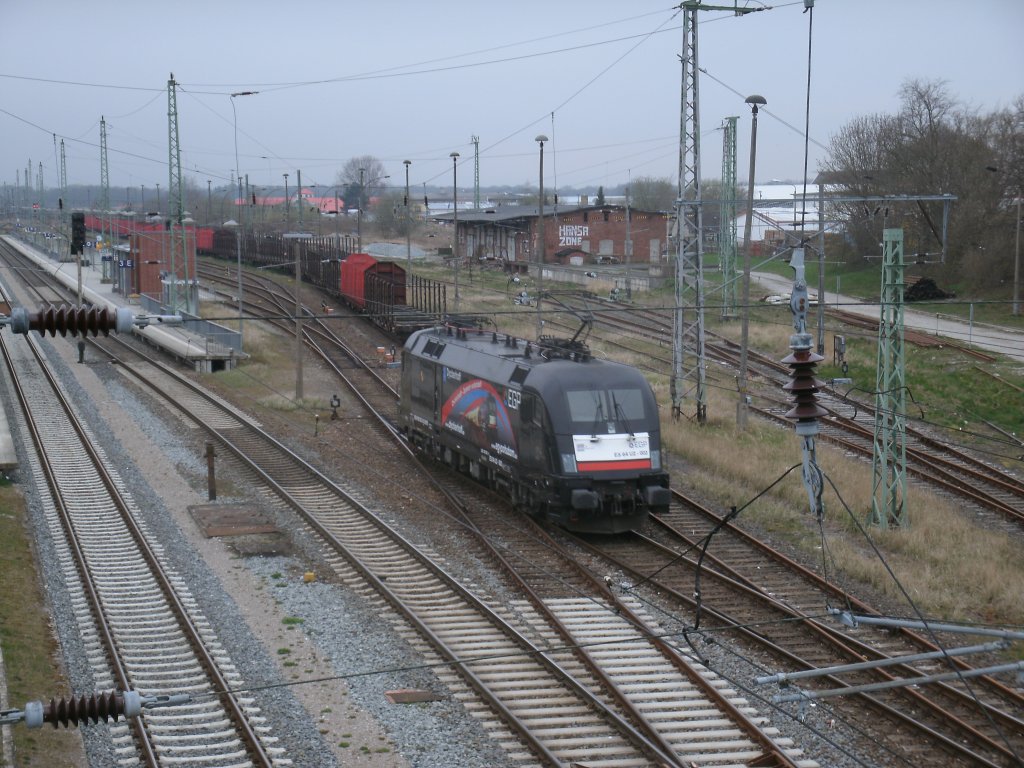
(199, 350)
(203, 352)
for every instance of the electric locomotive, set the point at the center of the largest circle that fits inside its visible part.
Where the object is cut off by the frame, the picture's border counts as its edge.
(570, 438)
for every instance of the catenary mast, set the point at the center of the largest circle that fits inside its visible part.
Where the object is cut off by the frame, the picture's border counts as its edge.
(105, 201)
(727, 236)
(689, 366)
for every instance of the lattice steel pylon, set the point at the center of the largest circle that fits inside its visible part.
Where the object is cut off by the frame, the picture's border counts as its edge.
(175, 198)
(689, 365)
(476, 172)
(889, 458)
(105, 259)
(688, 362)
(727, 235)
(64, 198)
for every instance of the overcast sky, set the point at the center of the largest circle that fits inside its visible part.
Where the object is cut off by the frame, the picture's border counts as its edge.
(403, 80)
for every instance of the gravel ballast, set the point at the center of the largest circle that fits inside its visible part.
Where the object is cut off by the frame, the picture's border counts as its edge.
(278, 630)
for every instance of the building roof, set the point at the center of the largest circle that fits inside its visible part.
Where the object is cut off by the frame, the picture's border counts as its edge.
(515, 212)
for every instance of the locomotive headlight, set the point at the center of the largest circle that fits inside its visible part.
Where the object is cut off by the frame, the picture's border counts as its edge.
(655, 459)
(568, 463)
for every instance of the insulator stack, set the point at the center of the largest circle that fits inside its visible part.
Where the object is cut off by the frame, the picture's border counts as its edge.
(77, 321)
(804, 388)
(103, 706)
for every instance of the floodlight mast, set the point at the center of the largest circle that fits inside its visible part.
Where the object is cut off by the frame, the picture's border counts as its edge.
(754, 101)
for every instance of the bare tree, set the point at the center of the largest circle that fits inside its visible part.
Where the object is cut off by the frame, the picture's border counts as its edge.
(652, 194)
(358, 179)
(932, 146)
(389, 213)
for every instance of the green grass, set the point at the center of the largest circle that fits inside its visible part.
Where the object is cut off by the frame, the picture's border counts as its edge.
(945, 387)
(29, 648)
(865, 282)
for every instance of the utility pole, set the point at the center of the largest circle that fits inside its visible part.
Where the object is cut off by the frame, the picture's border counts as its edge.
(298, 323)
(541, 250)
(455, 222)
(40, 189)
(301, 205)
(1016, 263)
(629, 238)
(408, 224)
(287, 209)
(688, 336)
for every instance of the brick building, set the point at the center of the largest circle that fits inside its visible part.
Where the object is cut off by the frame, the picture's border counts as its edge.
(577, 235)
(151, 266)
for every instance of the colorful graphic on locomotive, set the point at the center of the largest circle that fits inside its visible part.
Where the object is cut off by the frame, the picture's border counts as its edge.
(476, 411)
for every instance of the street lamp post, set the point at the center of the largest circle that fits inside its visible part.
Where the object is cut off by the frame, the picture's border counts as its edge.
(238, 248)
(287, 208)
(408, 224)
(741, 406)
(628, 248)
(541, 249)
(455, 223)
(1016, 263)
(1015, 306)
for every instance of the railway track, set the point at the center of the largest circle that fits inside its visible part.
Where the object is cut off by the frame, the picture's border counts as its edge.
(621, 646)
(751, 593)
(568, 609)
(607, 645)
(989, 490)
(147, 632)
(991, 729)
(542, 707)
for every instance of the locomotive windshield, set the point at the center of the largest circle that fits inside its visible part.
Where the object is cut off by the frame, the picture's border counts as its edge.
(610, 410)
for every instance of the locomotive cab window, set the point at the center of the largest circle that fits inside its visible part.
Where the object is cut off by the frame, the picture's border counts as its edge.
(606, 410)
(422, 383)
(530, 412)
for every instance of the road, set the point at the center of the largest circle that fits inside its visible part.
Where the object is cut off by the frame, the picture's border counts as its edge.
(990, 338)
